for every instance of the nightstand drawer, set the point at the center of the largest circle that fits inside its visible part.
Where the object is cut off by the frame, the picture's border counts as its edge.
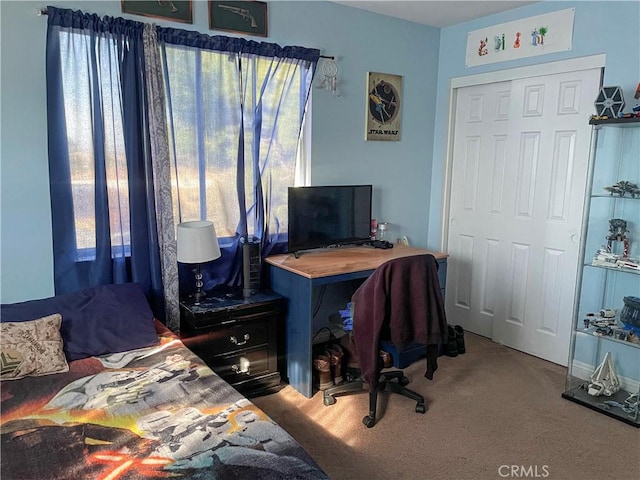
(238, 336)
(243, 365)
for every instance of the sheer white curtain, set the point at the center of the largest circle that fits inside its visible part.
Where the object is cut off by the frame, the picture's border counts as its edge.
(234, 123)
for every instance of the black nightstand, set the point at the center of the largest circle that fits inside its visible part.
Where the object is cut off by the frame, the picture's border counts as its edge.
(236, 336)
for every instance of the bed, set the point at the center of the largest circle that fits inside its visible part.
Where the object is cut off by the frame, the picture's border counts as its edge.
(94, 387)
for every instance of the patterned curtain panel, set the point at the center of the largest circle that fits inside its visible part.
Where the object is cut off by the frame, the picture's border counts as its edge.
(161, 176)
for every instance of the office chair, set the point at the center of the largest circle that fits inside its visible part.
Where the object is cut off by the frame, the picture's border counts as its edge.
(401, 301)
(393, 381)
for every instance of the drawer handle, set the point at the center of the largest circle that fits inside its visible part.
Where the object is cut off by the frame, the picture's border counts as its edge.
(234, 340)
(243, 367)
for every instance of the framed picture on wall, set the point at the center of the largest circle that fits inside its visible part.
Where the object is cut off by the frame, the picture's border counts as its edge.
(384, 105)
(174, 10)
(239, 17)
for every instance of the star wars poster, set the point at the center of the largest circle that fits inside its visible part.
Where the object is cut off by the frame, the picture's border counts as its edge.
(384, 104)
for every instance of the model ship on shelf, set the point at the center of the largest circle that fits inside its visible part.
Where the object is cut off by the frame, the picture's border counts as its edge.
(604, 380)
(610, 106)
(604, 323)
(603, 258)
(622, 188)
(603, 319)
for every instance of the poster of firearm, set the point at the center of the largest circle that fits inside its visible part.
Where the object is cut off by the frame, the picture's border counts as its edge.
(175, 10)
(239, 17)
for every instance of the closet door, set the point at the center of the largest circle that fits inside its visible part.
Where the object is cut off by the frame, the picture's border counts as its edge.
(518, 182)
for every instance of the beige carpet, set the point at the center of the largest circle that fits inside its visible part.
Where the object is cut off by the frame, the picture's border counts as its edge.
(487, 410)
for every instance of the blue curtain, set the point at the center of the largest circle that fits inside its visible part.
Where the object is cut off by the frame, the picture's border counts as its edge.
(99, 164)
(235, 127)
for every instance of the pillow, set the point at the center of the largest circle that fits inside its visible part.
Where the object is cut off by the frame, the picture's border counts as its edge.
(96, 321)
(32, 348)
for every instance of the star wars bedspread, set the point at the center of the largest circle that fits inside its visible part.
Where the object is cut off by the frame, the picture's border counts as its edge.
(157, 412)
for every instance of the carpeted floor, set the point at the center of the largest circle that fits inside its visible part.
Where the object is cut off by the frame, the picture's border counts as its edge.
(492, 413)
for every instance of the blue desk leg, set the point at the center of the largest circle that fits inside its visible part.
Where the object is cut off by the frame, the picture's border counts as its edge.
(298, 327)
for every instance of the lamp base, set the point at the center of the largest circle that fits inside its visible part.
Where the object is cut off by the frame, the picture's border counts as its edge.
(199, 294)
(198, 297)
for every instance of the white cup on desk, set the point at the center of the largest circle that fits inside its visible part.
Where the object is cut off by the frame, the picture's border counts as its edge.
(383, 228)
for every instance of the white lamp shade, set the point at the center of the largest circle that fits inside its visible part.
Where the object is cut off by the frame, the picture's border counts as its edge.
(197, 242)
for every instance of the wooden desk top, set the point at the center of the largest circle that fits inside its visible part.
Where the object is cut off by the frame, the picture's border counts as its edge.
(337, 261)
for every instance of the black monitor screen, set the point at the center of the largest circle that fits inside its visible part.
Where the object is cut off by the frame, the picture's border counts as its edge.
(325, 216)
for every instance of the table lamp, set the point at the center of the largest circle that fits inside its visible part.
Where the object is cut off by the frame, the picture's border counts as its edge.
(197, 243)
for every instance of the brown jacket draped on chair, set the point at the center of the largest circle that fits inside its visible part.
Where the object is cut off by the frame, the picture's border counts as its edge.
(401, 301)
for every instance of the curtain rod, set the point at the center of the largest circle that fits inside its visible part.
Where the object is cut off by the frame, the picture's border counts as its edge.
(43, 11)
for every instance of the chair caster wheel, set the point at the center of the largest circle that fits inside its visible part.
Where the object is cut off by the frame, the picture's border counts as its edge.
(328, 400)
(420, 408)
(404, 381)
(368, 421)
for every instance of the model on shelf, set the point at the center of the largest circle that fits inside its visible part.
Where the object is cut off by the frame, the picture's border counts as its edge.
(604, 380)
(622, 188)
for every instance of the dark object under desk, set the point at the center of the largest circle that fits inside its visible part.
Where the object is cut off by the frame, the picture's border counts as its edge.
(236, 336)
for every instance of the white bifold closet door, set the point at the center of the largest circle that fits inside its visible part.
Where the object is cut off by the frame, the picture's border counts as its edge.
(520, 161)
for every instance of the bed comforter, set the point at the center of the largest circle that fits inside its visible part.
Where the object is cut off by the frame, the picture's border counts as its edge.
(156, 412)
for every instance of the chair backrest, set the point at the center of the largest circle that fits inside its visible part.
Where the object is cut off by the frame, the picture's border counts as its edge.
(402, 301)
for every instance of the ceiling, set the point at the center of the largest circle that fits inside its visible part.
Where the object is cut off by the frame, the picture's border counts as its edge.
(435, 13)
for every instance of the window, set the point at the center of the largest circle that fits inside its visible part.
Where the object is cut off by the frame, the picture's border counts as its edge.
(119, 93)
(215, 108)
(207, 102)
(82, 84)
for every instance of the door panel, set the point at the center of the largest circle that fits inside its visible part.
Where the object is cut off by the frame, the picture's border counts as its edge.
(475, 246)
(519, 171)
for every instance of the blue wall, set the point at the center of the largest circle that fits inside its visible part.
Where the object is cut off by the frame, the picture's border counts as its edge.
(361, 41)
(622, 68)
(591, 35)
(407, 175)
